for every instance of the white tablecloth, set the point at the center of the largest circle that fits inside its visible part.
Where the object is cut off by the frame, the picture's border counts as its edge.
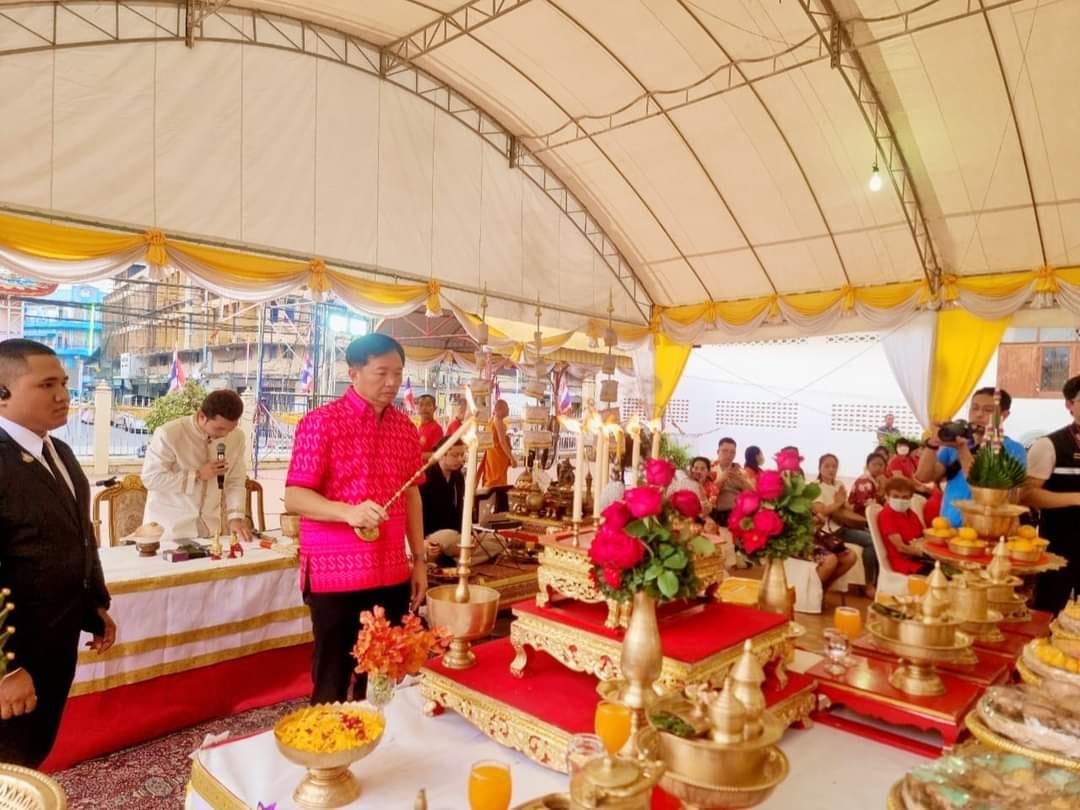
(177, 616)
(830, 770)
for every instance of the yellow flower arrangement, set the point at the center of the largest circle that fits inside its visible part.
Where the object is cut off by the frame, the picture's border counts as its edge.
(327, 729)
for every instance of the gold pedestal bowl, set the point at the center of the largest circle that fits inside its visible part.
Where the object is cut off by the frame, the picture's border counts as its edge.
(696, 795)
(329, 782)
(26, 789)
(919, 650)
(468, 621)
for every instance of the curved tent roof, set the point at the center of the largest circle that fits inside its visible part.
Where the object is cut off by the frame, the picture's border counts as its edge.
(723, 146)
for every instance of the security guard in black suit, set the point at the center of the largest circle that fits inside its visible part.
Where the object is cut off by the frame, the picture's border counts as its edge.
(48, 555)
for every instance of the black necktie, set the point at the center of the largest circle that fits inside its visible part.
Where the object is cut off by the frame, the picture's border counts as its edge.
(47, 453)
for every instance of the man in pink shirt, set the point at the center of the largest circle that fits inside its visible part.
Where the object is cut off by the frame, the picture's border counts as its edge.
(430, 431)
(349, 457)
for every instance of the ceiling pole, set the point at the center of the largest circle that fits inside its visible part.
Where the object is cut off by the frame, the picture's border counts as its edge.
(1016, 126)
(849, 63)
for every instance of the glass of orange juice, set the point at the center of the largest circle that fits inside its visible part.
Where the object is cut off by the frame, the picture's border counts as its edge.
(489, 786)
(917, 585)
(848, 620)
(613, 724)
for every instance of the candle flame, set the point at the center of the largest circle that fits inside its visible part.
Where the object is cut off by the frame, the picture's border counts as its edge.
(655, 424)
(594, 423)
(633, 427)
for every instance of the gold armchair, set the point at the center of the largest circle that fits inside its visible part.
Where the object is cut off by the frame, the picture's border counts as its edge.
(127, 503)
(254, 499)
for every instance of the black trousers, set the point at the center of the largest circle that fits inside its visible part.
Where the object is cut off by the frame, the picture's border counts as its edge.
(27, 739)
(335, 623)
(1052, 588)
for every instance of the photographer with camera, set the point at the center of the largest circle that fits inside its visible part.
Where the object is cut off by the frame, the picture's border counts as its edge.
(1053, 487)
(954, 444)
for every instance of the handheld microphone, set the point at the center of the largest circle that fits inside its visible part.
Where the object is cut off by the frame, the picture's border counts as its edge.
(221, 457)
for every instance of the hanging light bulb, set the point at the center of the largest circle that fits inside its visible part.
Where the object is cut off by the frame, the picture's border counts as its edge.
(875, 179)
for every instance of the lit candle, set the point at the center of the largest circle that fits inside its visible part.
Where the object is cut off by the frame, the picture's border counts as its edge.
(654, 426)
(634, 428)
(575, 427)
(598, 473)
(466, 544)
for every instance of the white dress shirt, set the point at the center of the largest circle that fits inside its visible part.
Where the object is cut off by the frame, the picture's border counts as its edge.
(35, 445)
(185, 506)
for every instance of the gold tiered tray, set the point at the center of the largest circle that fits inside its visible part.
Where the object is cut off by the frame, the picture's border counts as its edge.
(565, 569)
(990, 738)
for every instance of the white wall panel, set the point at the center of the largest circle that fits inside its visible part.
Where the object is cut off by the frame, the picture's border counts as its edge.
(541, 244)
(26, 111)
(500, 238)
(278, 149)
(103, 144)
(406, 132)
(458, 156)
(347, 164)
(197, 130)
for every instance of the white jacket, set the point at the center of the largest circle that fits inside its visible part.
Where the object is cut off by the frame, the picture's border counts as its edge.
(184, 506)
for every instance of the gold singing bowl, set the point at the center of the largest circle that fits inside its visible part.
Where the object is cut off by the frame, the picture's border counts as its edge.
(329, 782)
(466, 621)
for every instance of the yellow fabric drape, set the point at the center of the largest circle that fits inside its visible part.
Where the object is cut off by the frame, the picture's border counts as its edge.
(670, 361)
(242, 267)
(963, 346)
(47, 240)
(890, 295)
(381, 292)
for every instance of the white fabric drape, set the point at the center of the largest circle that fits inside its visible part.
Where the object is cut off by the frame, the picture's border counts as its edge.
(994, 308)
(812, 324)
(70, 272)
(910, 352)
(883, 319)
(255, 290)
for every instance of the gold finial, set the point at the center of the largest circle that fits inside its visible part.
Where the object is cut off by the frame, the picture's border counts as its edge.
(727, 716)
(1000, 568)
(747, 677)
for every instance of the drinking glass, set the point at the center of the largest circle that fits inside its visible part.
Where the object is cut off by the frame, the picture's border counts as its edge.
(583, 749)
(848, 620)
(836, 649)
(612, 725)
(917, 585)
(489, 786)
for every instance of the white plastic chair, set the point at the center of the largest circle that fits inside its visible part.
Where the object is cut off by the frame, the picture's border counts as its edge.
(918, 503)
(889, 581)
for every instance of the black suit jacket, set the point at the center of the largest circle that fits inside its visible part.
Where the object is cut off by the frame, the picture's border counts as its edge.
(48, 558)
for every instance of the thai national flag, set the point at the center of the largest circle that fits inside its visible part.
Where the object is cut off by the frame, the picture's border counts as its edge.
(307, 376)
(562, 395)
(177, 375)
(409, 399)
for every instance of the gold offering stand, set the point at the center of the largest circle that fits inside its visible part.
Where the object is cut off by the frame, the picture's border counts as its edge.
(968, 598)
(725, 753)
(467, 611)
(923, 640)
(565, 569)
(1001, 585)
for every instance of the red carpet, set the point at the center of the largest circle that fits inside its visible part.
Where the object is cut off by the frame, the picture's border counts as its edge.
(107, 721)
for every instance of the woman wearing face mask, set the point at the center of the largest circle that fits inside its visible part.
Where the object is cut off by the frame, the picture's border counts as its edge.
(838, 518)
(900, 526)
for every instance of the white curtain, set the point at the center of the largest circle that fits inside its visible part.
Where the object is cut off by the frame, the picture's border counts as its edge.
(70, 272)
(910, 352)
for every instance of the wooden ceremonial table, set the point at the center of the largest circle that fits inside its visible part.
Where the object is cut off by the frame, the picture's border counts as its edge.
(196, 640)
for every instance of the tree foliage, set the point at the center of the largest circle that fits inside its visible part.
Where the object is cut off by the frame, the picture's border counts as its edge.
(172, 406)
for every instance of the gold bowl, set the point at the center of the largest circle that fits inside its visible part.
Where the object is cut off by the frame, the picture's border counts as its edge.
(26, 789)
(984, 496)
(290, 524)
(466, 621)
(707, 795)
(1033, 554)
(991, 521)
(329, 782)
(967, 548)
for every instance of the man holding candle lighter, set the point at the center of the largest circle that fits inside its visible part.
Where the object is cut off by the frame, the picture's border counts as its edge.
(350, 460)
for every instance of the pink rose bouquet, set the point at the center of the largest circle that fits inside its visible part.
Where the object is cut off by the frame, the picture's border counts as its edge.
(775, 519)
(648, 541)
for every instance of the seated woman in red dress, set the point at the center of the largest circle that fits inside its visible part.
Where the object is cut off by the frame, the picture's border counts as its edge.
(867, 488)
(900, 526)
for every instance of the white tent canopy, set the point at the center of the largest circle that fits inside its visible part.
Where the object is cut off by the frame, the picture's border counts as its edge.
(715, 151)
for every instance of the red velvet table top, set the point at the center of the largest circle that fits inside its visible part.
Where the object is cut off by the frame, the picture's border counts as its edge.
(688, 633)
(1012, 646)
(868, 681)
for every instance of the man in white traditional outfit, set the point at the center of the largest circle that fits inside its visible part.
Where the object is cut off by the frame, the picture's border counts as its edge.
(190, 463)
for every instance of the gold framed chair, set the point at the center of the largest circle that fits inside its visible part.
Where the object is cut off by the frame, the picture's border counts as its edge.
(127, 505)
(254, 497)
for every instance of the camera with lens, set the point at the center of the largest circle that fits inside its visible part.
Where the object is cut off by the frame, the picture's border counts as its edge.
(958, 429)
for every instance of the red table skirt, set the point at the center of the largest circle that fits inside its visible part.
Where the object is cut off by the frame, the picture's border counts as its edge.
(103, 722)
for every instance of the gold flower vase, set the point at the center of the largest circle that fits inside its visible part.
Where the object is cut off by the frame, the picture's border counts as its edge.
(773, 593)
(642, 656)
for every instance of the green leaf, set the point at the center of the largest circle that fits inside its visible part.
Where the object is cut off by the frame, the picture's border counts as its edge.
(653, 571)
(811, 492)
(668, 584)
(800, 506)
(677, 561)
(665, 551)
(702, 546)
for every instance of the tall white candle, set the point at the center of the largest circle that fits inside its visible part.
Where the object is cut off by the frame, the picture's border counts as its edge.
(598, 473)
(655, 439)
(579, 474)
(635, 452)
(461, 594)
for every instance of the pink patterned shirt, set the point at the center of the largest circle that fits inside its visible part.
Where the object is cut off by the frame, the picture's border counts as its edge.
(346, 453)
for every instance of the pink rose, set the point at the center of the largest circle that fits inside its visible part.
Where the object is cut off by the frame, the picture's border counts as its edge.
(753, 541)
(788, 461)
(768, 523)
(644, 501)
(613, 578)
(687, 503)
(614, 548)
(734, 521)
(770, 485)
(617, 515)
(747, 502)
(659, 472)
